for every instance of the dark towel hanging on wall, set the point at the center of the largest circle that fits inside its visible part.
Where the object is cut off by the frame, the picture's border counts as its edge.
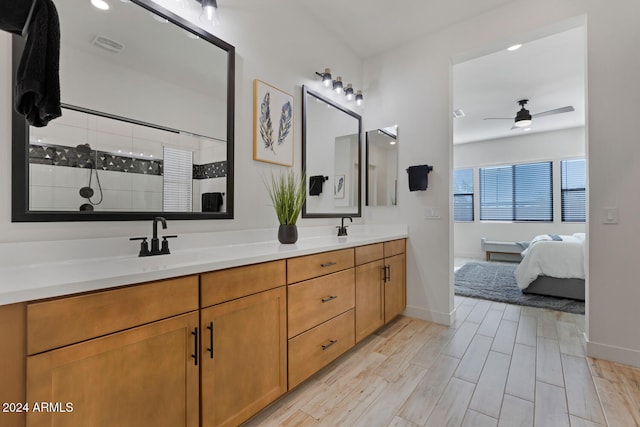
(37, 91)
(419, 177)
(211, 202)
(315, 184)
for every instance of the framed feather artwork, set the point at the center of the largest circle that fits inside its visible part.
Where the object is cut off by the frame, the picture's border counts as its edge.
(272, 124)
(338, 187)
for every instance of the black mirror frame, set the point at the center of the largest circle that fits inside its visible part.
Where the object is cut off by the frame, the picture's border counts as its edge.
(20, 145)
(306, 91)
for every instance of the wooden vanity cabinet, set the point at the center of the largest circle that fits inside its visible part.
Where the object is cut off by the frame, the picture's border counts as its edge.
(321, 291)
(143, 373)
(380, 285)
(395, 286)
(244, 342)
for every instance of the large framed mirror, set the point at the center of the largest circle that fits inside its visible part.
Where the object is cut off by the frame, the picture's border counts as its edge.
(381, 174)
(331, 153)
(147, 124)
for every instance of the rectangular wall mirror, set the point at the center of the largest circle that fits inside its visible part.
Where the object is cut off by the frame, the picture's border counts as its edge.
(331, 153)
(381, 175)
(147, 124)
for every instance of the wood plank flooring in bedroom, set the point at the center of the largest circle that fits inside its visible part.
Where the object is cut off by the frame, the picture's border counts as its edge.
(498, 365)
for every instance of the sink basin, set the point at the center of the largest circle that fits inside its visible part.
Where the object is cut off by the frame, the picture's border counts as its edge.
(160, 262)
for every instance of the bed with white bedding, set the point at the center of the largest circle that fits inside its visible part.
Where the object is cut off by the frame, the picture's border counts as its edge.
(553, 265)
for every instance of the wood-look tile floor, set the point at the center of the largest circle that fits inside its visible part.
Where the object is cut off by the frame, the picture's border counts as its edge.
(498, 365)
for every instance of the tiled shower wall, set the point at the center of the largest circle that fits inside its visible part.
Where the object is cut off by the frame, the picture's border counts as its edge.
(128, 159)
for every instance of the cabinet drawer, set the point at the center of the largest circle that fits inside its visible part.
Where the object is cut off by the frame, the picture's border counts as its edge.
(368, 253)
(56, 323)
(394, 247)
(232, 283)
(314, 301)
(310, 266)
(310, 351)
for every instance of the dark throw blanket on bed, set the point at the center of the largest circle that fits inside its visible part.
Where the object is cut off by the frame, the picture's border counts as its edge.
(496, 282)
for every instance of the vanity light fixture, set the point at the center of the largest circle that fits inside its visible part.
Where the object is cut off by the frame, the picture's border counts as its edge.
(338, 87)
(209, 11)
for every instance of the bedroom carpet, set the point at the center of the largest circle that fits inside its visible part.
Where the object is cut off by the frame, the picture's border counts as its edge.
(497, 282)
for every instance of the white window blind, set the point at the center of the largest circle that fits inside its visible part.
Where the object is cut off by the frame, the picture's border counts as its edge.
(177, 177)
(463, 195)
(574, 182)
(517, 192)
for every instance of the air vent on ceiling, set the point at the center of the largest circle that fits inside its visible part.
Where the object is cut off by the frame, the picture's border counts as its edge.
(108, 44)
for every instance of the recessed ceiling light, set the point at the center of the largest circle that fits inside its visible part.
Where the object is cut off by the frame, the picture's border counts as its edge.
(514, 47)
(392, 142)
(100, 4)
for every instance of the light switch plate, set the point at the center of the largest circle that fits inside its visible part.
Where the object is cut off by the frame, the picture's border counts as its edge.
(610, 215)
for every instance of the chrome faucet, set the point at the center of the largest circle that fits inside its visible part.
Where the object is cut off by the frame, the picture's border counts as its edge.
(342, 229)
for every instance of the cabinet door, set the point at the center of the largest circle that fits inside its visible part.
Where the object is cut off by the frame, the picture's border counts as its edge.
(369, 298)
(395, 299)
(145, 376)
(246, 367)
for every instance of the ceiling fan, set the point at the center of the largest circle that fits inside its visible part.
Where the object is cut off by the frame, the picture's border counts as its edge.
(524, 118)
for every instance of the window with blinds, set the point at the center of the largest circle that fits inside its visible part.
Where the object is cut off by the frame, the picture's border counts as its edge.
(463, 195)
(177, 178)
(521, 192)
(574, 182)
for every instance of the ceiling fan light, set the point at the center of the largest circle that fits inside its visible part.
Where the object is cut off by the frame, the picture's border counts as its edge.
(522, 123)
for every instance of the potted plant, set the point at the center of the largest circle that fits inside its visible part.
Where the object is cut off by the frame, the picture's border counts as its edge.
(287, 192)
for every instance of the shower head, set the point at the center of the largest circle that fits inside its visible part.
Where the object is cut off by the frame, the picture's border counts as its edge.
(83, 148)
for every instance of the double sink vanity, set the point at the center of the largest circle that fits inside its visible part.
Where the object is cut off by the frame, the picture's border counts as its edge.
(205, 336)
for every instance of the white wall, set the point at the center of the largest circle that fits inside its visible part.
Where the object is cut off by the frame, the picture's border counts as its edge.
(411, 86)
(537, 147)
(275, 42)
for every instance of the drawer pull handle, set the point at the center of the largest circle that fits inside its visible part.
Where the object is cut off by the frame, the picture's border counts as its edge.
(326, 346)
(329, 298)
(210, 349)
(328, 264)
(195, 346)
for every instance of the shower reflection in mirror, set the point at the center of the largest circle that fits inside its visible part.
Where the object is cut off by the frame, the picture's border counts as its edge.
(382, 166)
(89, 161)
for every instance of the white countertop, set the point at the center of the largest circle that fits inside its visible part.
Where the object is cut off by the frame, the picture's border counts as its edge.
(36, 270)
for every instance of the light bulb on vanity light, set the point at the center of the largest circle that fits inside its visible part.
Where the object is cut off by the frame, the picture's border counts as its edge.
(359, 98)
(326, 77)
(337, 85)
(349, 92)
(209, 12)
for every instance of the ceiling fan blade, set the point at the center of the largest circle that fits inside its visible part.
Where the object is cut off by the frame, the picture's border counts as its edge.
(567, 109)
(498, 118)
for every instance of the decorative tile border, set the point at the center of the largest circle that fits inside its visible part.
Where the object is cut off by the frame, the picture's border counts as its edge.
(210, 170)
(59, 155)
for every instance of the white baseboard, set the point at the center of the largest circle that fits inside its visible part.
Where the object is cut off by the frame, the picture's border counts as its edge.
(429, 315)
(626, 356)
